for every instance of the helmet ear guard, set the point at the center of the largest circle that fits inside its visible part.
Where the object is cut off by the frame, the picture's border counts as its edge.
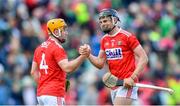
(113, 21)
(59, 33)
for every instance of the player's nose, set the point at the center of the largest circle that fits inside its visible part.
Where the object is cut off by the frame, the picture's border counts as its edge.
(104, 25)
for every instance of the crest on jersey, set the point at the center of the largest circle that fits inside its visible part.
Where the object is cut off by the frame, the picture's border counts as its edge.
(119, 43)
(107, 44)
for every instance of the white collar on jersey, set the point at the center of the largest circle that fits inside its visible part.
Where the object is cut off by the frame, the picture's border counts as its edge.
(55, 42)
(115, 33)
(53, 39)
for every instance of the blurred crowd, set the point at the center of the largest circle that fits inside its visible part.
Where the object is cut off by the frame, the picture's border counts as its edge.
(156, 23)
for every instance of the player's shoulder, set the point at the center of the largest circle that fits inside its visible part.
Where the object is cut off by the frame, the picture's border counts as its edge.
(55, 44)
(105, 36)
(37, 48)
(125, 33)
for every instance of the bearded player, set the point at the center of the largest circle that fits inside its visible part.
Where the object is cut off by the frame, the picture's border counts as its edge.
(119, 48)
(50, 65)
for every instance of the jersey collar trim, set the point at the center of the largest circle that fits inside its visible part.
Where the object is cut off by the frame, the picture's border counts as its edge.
(55, 42)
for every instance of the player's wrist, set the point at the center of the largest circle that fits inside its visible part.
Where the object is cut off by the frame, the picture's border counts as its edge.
(89, 56)
(83, 56)
(133, 77)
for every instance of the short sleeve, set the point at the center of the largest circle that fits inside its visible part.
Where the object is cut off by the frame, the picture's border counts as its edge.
(59, 54)
(102, 45)
(133, 42)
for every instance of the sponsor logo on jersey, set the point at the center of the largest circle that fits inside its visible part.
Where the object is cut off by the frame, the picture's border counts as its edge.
(114, 53)
(107, 44)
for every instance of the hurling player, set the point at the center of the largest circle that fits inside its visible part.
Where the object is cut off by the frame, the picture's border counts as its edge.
(119, 49)
(50, 65)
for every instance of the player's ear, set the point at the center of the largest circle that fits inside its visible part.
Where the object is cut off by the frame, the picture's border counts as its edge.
(115, 20)
(56, 31)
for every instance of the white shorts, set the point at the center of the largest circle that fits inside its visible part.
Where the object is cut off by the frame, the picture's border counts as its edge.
(50, 100)
(124, 92)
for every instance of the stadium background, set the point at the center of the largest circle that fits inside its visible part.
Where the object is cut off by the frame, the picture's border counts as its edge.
(23, 26)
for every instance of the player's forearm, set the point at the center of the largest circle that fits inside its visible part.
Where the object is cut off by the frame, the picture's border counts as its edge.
(142, 62)
(97, 62)
(74, 64)
(34, 71)
(35, 75)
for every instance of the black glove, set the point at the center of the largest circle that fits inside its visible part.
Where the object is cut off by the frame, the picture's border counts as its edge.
(67, 85)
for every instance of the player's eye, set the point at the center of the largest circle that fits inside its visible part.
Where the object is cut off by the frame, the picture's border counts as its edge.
(105, 21)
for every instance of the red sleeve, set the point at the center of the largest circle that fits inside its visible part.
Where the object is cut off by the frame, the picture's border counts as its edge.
(59, 54)
(102, 45)
(133, 42)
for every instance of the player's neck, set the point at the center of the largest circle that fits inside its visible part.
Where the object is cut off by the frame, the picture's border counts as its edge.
(114, 31)
(53, 38)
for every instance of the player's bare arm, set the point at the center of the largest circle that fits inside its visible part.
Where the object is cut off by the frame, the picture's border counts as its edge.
(98, 61)
(70, 66)
(142, 61)
(34, 71)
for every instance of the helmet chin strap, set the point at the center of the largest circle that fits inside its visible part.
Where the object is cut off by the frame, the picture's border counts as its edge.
(113, 28)
(59, 33)
(113, 22)
(57, 36)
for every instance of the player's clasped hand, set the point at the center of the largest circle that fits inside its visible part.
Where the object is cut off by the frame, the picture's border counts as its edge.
(128, 82)
(85, 50)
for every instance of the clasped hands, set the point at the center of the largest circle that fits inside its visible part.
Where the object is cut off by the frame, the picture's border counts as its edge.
(85, 50)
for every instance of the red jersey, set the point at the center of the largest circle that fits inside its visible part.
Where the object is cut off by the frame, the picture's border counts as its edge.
(119, 53)
(52, 77)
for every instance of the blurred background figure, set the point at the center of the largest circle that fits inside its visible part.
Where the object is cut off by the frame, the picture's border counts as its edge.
(23, 26)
